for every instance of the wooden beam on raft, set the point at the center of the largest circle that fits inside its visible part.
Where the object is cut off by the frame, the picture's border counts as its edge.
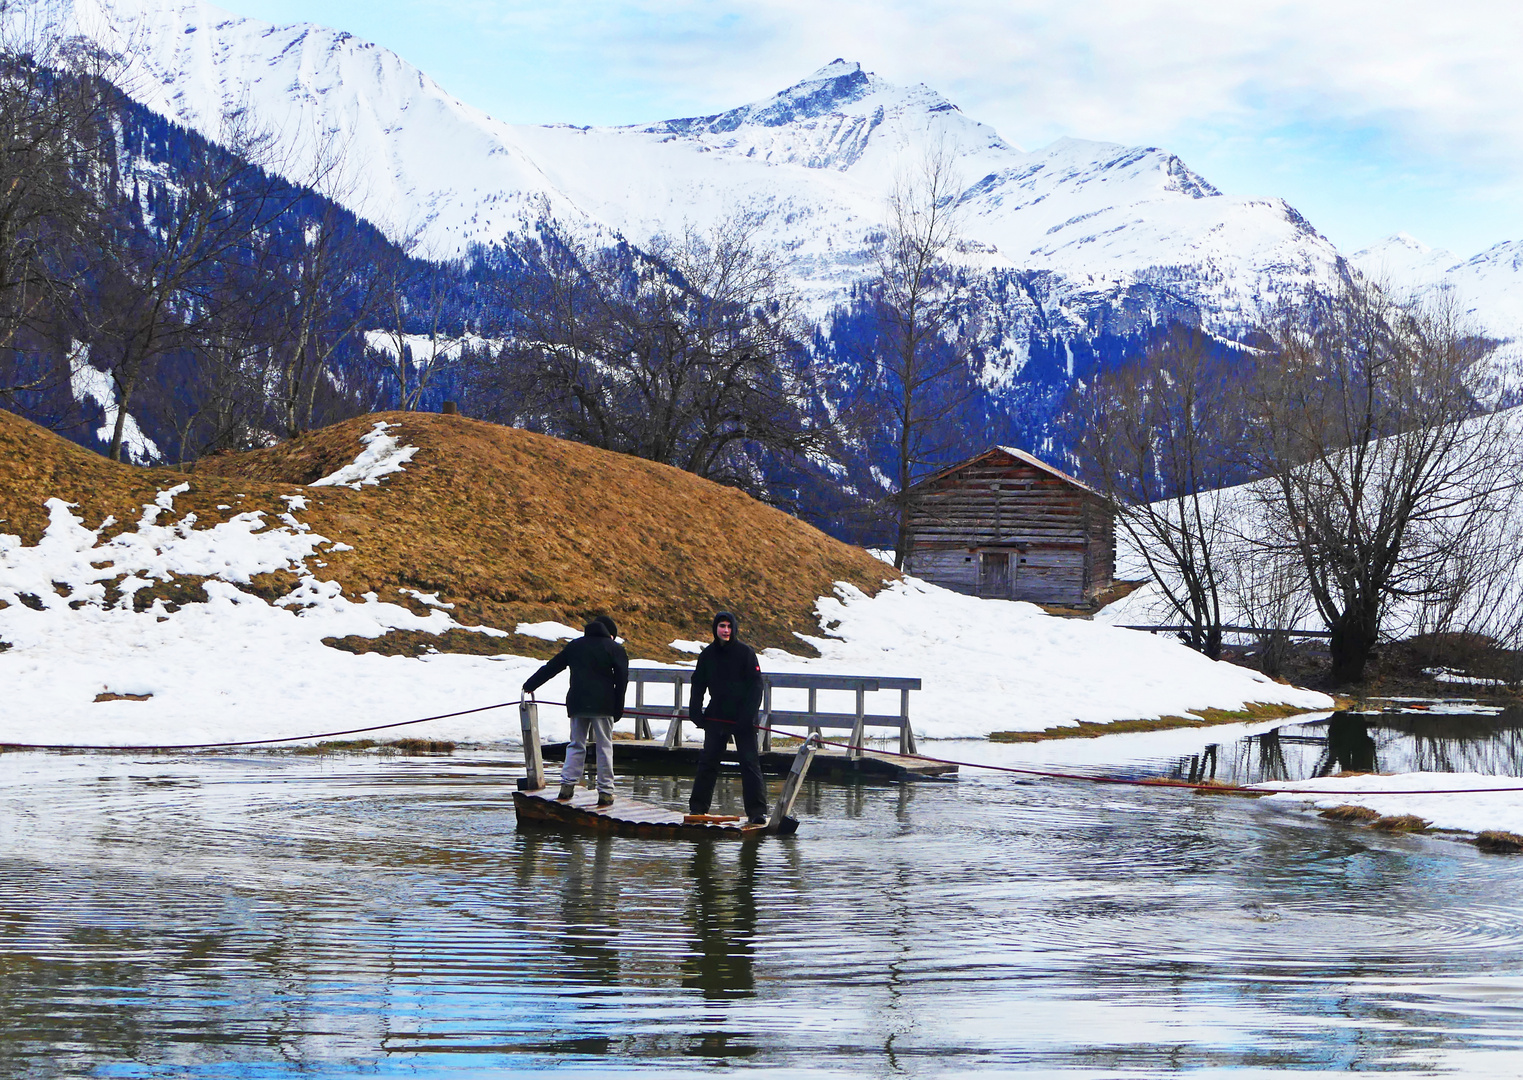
(534, 762)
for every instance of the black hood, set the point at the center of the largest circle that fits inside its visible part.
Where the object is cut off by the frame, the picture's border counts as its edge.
(729, 618)
(596, 629)
(609, 625)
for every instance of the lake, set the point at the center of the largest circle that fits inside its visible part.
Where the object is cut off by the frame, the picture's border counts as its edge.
(351, 915)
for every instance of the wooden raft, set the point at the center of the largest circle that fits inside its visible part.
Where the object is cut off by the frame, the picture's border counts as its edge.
(626, 817)
(534, 803)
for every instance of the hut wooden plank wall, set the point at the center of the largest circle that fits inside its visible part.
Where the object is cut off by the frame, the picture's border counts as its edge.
(1008, 525)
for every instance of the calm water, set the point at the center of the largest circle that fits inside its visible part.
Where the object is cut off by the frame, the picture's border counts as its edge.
(287, 916)
(1410, 739)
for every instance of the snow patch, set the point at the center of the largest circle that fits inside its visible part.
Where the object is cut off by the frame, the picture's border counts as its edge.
(382, 456)
(548, 631)
(89, 383)
(1470, 811)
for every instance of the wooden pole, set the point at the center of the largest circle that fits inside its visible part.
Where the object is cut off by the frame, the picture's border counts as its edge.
(674, 729)
(642, 722)
(814, 729)
(854, 750)
(534, 763)
(783, 808)
(766, 732)
(906, 733)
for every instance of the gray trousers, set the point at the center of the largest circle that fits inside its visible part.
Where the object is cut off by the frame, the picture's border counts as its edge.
(601, 730)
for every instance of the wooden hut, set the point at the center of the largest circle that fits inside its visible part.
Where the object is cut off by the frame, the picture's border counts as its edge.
(1008, 525)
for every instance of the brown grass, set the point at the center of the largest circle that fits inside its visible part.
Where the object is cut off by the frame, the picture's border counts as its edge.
(1498, 842)
(1401, 823)
(506, 525)
(1254, 710)
(1348, 812)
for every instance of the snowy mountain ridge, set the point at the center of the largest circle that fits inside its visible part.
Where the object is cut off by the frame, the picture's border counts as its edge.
(1102, 227)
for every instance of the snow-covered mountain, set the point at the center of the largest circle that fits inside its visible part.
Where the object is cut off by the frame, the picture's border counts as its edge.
(1097, 234)
(1488, 287)
(818, 158)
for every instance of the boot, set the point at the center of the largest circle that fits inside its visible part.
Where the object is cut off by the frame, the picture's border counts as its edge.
(605, 798)
(567, 790)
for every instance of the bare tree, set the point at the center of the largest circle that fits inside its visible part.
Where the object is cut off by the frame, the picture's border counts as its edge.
(329, 289)
(53, 133)
(689, 355)
(1368, 422)
(1156, 437)
(924, 342)
(168, 250)
(413, 346)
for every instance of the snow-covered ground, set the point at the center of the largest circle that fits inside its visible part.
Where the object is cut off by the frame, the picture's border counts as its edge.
(1460, 806)
(239, 667)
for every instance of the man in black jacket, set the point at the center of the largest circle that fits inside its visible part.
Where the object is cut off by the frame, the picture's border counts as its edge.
(595, 702)
(727, 669)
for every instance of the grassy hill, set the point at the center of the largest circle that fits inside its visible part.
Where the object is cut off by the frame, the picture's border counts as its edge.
(506, 525)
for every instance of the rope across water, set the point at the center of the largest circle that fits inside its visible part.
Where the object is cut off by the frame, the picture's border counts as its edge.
(1047, 774)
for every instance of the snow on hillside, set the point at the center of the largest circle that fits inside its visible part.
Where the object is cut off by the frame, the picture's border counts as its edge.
(818, 157)
(240, 667)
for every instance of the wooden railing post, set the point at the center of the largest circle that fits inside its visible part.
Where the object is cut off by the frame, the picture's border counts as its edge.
(642, 722)
(674, 729)
(854, 748)
(783, 808)
(814, 729)
(765, 743)
(906, 733)
(534, 763)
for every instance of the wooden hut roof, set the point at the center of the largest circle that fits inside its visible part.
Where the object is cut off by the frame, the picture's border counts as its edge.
(1019, 455)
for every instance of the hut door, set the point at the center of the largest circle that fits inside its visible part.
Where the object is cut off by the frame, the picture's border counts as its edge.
(994, 574)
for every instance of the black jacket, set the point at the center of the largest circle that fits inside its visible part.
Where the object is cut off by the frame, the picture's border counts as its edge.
(599, 673)
(730, 673)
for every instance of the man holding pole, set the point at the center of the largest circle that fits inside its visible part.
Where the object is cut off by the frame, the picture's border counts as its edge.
(728, 671)
(595, 701)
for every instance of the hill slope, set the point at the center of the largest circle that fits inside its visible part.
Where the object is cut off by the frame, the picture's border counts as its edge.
(506, 525)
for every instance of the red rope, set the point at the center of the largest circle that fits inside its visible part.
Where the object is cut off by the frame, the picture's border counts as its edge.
(256, 742)
(1225, 789)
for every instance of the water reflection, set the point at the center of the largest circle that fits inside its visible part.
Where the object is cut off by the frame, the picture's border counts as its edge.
(722, 913)
(1357, 742)
(209, 918)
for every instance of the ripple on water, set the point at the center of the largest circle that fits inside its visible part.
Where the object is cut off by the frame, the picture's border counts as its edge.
(319, 915)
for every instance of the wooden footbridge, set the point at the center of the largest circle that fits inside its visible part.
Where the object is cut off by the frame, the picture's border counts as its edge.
(856, 760)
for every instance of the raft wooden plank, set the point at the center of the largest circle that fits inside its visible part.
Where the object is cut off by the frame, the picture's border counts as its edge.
(626, 817)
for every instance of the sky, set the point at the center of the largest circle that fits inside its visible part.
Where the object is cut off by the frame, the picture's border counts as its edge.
(1368, 116)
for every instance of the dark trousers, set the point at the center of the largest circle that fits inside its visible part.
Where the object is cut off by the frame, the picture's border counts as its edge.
(715, 738)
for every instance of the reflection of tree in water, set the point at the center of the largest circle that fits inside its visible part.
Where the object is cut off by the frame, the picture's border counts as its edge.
(723, 918)
(1350, 747)
(1489, 745)
(1364, 742)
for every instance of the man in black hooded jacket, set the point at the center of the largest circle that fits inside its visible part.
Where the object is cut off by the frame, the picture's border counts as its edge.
(728, 671)
(595, 701)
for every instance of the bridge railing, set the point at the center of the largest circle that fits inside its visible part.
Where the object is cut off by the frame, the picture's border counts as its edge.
(812, 717)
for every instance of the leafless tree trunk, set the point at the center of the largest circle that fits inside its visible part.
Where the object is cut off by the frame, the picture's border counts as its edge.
(921, 357)
(54, 107)
(415, 360)
(1368, 422)
(1155, 437)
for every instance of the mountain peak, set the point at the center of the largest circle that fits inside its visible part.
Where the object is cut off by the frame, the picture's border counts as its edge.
(836, 69)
